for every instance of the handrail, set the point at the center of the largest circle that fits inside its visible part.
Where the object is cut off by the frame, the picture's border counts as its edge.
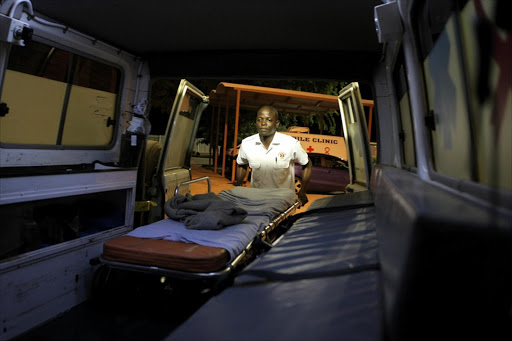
(207, 178)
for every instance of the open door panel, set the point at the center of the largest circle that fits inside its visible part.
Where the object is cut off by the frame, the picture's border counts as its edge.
(174, 164)
(356, 136)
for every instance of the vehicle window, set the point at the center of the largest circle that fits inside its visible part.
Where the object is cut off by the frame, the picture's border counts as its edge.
(315, 160)
(406, 133)
(183, 126)
(356, 134)
(468, 97)
(185, 123)
(72, 98)
(487, 48)
(33, 225)
(448, 118)
(330, 162)
(435, 15)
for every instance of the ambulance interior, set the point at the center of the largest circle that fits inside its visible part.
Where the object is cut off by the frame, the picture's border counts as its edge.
(418, 248)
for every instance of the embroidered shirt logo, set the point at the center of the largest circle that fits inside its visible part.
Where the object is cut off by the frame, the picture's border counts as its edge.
(281, 156)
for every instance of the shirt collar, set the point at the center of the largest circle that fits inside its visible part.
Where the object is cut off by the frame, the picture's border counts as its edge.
(275, 140)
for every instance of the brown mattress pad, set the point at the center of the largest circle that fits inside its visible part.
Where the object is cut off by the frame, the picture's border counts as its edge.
(165, 254)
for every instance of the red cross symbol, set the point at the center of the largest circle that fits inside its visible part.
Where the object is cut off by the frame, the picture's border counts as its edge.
(310, 149)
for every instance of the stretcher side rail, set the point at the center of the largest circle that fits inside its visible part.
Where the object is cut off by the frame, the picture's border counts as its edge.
(167, 272)
(265, 234)
(264, 237)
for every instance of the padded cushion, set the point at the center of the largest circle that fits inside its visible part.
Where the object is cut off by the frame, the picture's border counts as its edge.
(166, 254)
(445, 261)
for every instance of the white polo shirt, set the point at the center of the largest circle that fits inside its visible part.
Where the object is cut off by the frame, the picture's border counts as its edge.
(272, 168)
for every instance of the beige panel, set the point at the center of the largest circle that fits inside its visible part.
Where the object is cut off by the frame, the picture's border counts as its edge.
(180, 135)
(177, 152)
(35, 106)
(173, 178)
(87, 115)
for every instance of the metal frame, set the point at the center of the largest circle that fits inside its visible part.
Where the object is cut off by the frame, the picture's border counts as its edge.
(194, 181)
(359, 142)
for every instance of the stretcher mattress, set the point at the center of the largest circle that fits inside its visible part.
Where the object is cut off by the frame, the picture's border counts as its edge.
(170, 244)
(320, 244)
(166, 253)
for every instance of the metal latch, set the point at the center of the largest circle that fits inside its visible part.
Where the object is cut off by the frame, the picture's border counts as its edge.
(144, 206)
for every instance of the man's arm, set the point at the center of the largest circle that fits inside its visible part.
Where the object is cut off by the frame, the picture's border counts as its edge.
(241, 172)
(241, 166)
(306, 175)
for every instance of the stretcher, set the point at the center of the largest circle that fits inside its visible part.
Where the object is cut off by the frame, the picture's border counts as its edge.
(168, 248)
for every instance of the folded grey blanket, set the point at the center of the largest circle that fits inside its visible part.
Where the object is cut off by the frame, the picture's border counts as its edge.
(260, 201)
(204, 211)
(233, 238)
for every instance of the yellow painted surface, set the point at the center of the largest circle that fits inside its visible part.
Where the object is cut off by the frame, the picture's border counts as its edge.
(87, 115)
(35, 106)
(180, 135)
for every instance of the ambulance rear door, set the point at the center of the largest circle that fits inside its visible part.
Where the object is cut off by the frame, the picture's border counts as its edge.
(356, 137)
(174, 164)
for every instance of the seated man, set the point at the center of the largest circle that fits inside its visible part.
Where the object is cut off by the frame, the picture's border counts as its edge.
(272, 156)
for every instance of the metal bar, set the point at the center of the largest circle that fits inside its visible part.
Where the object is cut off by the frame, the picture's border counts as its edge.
(188, 182)
(235, 143)
(210, 150)
(217, 140)
(370, 118)
(225, 138)
(277, 220)
(165, 272)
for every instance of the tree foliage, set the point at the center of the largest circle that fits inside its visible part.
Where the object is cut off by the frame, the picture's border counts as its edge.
(163, 93)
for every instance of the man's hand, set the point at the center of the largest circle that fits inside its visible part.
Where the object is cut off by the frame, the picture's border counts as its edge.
(303, 198)
(240, 173)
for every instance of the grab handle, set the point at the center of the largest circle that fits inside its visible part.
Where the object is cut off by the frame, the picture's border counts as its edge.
(207, 178)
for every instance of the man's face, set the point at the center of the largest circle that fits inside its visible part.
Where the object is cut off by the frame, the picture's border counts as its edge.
(266, 122)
